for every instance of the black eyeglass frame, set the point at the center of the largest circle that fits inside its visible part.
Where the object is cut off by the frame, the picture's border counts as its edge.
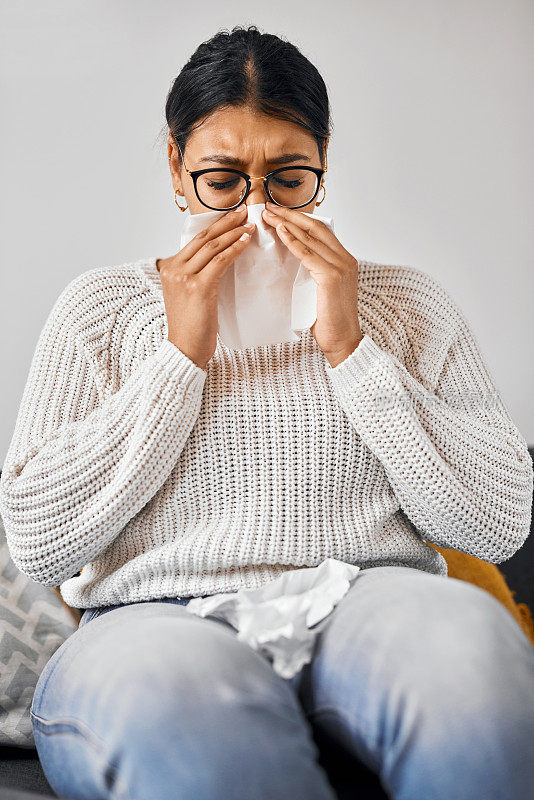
(197, 172)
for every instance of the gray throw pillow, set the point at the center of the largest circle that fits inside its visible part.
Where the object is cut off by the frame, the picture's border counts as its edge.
(34, 622)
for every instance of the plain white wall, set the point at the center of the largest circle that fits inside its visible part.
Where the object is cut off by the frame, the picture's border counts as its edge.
(430, 162)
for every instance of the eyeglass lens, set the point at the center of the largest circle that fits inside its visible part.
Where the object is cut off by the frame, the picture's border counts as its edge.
(289, 187)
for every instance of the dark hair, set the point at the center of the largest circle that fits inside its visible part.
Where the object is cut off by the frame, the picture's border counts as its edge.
(244, 67)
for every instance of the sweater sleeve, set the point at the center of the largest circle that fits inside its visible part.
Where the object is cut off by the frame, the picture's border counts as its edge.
(458, 466)
(79, 467)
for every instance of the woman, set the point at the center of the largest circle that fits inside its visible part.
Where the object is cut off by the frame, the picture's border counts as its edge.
(165, 466)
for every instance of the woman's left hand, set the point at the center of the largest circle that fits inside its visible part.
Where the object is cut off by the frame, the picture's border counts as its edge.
(334, 270)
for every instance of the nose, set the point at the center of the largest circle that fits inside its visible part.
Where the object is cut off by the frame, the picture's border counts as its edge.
(257, 192)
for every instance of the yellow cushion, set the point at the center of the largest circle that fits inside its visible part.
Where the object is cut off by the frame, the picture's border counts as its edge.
(488, 577)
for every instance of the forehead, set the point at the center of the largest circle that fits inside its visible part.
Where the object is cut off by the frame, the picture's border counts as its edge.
(240, 130)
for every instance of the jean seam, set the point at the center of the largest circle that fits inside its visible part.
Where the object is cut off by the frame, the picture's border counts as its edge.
(89, 736)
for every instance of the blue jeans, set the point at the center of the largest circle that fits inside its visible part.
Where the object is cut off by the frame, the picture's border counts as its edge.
(426, 679)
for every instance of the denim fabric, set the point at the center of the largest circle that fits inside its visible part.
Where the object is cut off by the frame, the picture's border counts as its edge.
(426, 679)
(92, 613)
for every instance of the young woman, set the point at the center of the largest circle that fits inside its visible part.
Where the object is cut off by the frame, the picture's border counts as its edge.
(151, 464)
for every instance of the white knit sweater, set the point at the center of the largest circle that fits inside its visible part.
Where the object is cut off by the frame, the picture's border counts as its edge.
(157, 478)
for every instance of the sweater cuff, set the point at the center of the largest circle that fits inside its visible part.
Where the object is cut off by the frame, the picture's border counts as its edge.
(357, 365)
(180, 366)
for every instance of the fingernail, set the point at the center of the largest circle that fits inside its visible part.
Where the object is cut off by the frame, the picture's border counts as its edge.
(249, 225)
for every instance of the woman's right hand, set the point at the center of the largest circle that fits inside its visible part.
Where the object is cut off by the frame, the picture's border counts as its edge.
(190, 282)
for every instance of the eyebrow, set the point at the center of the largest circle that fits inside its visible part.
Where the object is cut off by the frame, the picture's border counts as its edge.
(286, 158)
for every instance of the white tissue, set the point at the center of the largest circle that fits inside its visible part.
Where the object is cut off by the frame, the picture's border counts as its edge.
(266, 296)
(276, 618)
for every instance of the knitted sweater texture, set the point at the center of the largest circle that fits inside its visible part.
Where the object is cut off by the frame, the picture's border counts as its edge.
(133, 474)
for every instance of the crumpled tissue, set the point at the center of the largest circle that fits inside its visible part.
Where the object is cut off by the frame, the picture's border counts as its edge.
(265, 296)
(275, 619)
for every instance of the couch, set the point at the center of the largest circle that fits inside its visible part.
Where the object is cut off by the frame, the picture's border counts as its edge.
(22, 777)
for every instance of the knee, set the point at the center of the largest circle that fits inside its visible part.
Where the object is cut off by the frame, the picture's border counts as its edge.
(446, 619)
(473, 676)
(429, 652)
(464, 624)
(463, 651)
(168, 668)
(196, 689)
(178, 705)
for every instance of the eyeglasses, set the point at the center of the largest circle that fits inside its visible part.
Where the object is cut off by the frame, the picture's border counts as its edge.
(222, 189)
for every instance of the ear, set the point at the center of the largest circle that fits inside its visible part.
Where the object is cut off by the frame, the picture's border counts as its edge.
(174, 166)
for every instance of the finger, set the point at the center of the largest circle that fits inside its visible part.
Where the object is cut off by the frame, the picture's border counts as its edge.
(316, 227)
(212, 248)
(308, 257)
(219, 263)
(313, 244)
(229, 221)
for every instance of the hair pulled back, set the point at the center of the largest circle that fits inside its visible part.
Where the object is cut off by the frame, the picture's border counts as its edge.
(244, 67)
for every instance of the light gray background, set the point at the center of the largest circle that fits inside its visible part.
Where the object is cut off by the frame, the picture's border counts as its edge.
(430, 162)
